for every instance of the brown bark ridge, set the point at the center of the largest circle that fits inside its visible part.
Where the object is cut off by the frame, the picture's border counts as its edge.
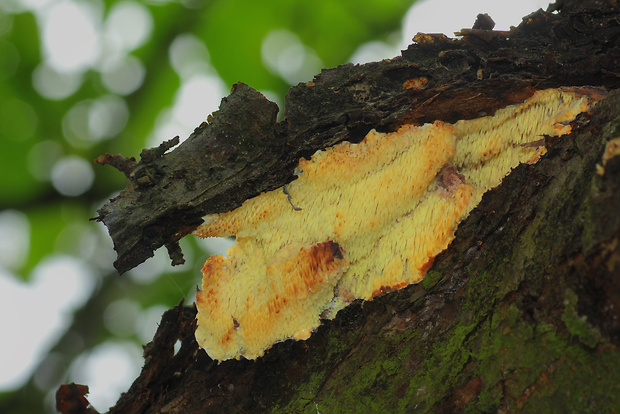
(520, 313)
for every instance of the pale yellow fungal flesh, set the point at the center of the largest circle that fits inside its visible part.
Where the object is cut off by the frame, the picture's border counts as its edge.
(370, 219)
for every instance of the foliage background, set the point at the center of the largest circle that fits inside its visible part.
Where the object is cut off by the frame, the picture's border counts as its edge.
(55, 119)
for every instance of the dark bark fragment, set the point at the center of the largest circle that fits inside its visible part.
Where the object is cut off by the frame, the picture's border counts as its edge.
(71, 399)
(243, 151)
(219, 165)
(123, 164)
(483, 22)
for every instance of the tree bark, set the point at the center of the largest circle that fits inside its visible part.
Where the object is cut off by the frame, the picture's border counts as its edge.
(520, 313)
(242, 151)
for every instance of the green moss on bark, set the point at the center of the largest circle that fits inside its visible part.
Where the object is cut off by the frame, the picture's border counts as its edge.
(578, 325)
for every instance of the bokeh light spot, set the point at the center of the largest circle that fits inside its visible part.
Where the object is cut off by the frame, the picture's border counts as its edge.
(118, 360)
(42, 158)
(70, 35)
(75, 124)
(423, 16)
(120, 316)
(148, 322)
(23, 5)
(374, 51)
(123, 76)
(107, 117)
(188, 55)
(128, 25)
(90, 121)
(284, 54)
(72, 176)
(216, 245)
(14, 239)
(59, 284)
(53, 84)
(148, 271)
(197, 98)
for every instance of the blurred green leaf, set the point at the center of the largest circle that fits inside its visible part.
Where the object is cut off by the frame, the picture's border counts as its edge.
(46, 223)
(18, 118)
(234, 31)
(161, 82)
(25, 36)
(18, 184)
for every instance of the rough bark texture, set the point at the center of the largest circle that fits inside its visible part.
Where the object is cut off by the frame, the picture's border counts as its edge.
(242, 151)
(520, 313)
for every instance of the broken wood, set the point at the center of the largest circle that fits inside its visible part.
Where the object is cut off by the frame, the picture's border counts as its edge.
(519, 313)
(243, 151)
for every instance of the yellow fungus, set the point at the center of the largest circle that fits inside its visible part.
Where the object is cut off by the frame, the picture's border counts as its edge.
(360, 220)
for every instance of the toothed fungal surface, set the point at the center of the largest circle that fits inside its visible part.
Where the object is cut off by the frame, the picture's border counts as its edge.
(362, 220)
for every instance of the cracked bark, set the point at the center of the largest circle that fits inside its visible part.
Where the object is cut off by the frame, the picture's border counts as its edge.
(242, 151)
(521, 311)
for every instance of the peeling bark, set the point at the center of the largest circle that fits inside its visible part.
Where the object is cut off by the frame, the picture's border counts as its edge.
(242, 151)
(520, 313)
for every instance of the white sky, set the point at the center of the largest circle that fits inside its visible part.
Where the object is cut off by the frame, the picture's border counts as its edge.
(67, 53)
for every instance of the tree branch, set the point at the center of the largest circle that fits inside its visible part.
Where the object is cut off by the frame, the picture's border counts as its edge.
(242, 151)
(520, 312)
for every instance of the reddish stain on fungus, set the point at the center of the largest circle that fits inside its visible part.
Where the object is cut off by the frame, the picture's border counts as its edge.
(384, 290)
(297, 274)
(427, 265)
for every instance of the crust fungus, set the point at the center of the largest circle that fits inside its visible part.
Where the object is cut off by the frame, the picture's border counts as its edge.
(359, 221)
